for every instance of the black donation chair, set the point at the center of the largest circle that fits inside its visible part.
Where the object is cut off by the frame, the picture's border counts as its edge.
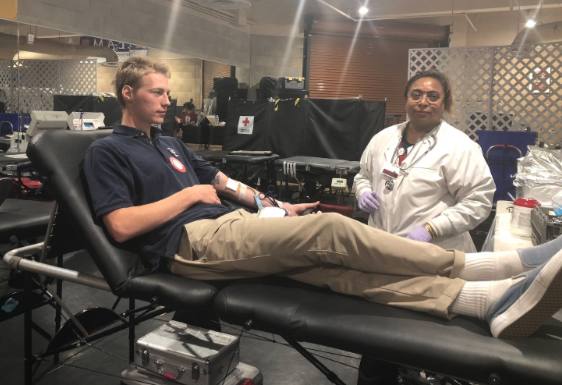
(59, 156)
(462, 348)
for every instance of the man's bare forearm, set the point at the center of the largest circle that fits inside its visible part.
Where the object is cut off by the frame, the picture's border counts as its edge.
(237, 191)
(126, 223)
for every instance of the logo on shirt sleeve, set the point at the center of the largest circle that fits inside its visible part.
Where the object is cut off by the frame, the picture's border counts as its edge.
(177, 164)
(172, 151)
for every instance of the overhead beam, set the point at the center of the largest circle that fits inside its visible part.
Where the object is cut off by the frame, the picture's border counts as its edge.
(389, 12)
(387, 29)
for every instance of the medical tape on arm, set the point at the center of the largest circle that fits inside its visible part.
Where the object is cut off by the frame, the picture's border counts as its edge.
(232, 185)
(242, 193)
(237, 187)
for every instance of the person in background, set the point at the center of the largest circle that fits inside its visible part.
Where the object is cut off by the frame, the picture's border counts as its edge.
(189, 118)
(424, 179)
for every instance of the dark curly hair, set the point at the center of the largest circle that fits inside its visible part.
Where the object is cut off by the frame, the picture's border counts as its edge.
(441, 78)
(189, 105)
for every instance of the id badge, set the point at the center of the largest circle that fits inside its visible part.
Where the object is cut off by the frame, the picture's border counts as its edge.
(390, 170)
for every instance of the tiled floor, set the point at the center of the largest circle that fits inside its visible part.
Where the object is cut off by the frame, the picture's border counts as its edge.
(103, 361)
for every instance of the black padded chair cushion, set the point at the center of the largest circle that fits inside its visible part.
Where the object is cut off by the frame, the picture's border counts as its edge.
(321, 165)
(353, 166)
(250, 159)
(462, 347)
(58, 156)
(302, 161)
(23, 218)
(218, 156)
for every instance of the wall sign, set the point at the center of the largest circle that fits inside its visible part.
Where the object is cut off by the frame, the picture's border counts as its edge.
(123, 50)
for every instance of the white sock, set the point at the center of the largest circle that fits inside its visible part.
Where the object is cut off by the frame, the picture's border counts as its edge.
(476, 298)
(490, 266)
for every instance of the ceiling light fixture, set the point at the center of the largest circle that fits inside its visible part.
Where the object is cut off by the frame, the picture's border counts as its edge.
(530, 23)
(363, 10)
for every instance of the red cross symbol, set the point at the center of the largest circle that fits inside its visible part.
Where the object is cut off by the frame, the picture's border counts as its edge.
(246, 122)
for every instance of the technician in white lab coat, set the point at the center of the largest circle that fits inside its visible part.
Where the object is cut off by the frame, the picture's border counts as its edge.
(424, 179)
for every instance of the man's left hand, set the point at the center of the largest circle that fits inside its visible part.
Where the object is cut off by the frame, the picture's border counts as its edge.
(420, 234)
(298, 209)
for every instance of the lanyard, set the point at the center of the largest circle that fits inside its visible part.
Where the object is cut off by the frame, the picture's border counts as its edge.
(394, 155)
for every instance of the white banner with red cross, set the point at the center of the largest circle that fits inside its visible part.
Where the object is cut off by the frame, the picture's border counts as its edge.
(246, 125)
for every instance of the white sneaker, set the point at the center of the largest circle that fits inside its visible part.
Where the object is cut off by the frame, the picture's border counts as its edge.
(536, 296)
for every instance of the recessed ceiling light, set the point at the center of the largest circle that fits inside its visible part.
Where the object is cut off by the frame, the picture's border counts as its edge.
(363, 10)
(530, 23)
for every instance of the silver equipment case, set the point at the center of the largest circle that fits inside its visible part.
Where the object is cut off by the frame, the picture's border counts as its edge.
(188, 354)
(133, 375)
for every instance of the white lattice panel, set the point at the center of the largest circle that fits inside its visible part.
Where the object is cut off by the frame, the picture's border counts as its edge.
(34, 82)
(5, 80)
(79, 77)
(491, 87)
(539, 110)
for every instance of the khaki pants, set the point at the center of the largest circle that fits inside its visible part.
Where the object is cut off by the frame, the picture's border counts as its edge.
(325, 250)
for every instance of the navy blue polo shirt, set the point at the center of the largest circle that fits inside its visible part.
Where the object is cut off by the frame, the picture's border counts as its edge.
(126, 169)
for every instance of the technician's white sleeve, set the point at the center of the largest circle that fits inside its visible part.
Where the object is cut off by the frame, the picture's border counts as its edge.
(468, 180)
(362, 181)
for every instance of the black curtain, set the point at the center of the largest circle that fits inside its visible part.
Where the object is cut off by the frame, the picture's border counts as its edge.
(324, 128)
(287, 127)
(371, 122)
(256, 141)
(332, 129)
(74, 103)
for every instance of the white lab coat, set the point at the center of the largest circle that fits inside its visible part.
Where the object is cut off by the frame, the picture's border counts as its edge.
(451, 187)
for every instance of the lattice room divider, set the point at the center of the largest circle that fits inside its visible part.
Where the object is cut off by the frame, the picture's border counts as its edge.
(501, 88)
(27, 85)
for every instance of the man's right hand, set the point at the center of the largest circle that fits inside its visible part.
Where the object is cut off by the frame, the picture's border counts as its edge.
(129, 222)
(368, 202)
(204, 193)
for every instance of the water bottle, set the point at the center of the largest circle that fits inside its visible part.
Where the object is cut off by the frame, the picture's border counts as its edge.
(557, 204)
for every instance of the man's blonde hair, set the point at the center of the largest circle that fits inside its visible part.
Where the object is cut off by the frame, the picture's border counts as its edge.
(131, 72)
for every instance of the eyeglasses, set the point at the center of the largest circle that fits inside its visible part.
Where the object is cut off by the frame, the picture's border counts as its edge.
(432, 97)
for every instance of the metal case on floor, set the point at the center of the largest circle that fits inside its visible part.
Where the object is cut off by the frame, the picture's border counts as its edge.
(188, 354)
(132, 375)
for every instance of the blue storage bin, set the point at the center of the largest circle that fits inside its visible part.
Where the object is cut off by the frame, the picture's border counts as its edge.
(4, 128)
(15, 120)
(503, 161)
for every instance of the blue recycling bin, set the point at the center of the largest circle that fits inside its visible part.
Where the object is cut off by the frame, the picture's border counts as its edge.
(7, 123)
(17, 122)
(501, 150)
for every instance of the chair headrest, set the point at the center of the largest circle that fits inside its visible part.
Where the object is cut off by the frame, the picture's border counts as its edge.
(58, 157)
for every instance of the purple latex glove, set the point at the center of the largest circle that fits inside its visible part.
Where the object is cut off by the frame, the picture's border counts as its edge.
(419, 234)
(368, 202)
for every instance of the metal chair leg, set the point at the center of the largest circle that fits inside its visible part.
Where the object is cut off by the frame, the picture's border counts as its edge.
(27, 330)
